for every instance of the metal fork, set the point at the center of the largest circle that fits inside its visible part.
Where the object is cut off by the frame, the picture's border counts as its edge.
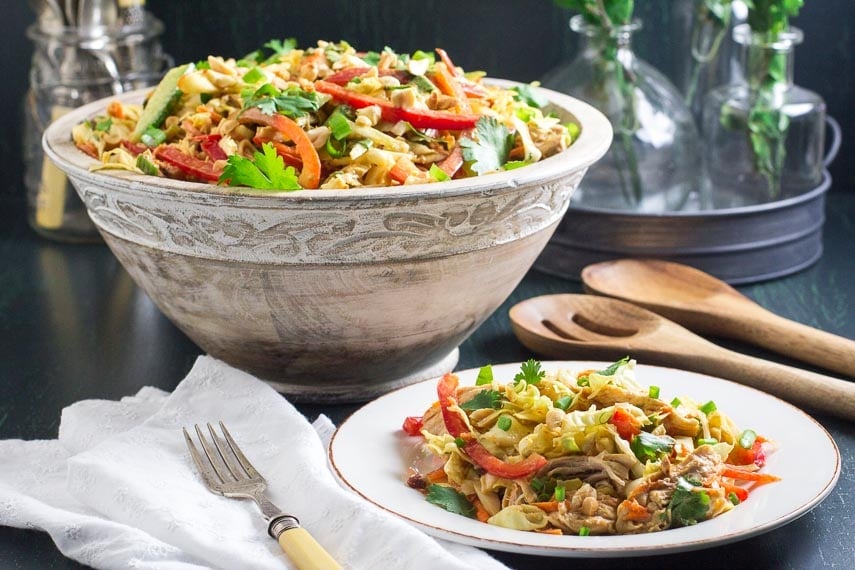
(226, 471)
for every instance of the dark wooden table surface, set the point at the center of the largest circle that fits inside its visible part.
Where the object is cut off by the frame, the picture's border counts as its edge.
(75, 326)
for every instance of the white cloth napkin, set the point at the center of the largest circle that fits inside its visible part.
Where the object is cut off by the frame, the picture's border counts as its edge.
(118, 488)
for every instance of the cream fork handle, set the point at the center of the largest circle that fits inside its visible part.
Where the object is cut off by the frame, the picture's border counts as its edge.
(305, 552)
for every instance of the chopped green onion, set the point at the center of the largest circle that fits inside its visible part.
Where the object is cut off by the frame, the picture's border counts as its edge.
(675, 402)
(747, 439)
(708, 408)
(564, 402)
(147, 166)
(438, 174)
(569, 443)
(573, 129)
(514, 164)
(335, 148)
(653, 391)
(525, 114)
(584, 531)
(339, 125)
(205, 97)
(733, 498)
(582, 381)
(707, 441)
(419, 54)
(202, 64)
(422, 83)
(504, 423)
(560, 493)
(254, 75)
(485, 375)
(537, 485)
(152, 137)
(459, 441)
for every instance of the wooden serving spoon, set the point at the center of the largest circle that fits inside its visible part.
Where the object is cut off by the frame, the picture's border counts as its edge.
(586, 326)
(706, 305)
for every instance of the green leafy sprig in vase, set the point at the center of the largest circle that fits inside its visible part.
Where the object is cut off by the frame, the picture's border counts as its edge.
(711, 23)
(652, 164)
(766, 72)
(607, 15)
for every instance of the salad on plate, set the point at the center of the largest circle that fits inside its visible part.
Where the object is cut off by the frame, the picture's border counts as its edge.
(591, 452)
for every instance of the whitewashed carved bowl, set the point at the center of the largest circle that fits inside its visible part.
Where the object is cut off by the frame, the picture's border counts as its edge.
(332, 295)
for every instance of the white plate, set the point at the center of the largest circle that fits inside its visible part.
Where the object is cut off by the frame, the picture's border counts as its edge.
(370, 454)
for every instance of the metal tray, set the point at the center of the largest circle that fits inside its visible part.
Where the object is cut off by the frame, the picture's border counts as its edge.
(738, 245)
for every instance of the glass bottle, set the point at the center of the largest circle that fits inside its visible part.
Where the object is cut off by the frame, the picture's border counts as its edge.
(764, 136)
(704, 32)
(70, 68)
(652, 163)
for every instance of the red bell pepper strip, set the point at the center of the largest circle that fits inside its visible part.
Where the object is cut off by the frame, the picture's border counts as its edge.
(625, 424)
(452, 163)
(310, 174)
(740, 492)
(135, 149)
(756, 455)
(454, 424)
(413, 425)
(419, 118)
(210, 146)
(288, 153)
(447, 392)
(191, 165)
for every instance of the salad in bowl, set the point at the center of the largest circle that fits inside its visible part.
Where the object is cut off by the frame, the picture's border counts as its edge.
(328, 117)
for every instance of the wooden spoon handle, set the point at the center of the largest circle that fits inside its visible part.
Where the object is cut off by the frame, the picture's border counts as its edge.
(821, 393)
(800, 341)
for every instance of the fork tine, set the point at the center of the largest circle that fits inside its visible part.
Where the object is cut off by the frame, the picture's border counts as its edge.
(214, 458)
(209, 476)
(227, 456)
(250, 470)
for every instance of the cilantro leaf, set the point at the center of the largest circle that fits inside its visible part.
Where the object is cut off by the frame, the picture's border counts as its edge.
(647, 446)
(372, 58)
(450, 499)
(293, 102)
(485, 375)
(281, 47)
(563, 402)
(254, 75)
(265, 171)
(687, 506)
(529, 95)
(104, 124)
(490, 151)
(530, 372)
(610, 371)
(483, 399)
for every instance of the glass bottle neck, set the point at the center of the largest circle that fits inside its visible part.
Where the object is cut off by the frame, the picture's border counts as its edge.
(768, 63)
(599, 42)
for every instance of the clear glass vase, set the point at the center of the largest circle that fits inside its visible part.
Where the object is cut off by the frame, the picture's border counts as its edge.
(704, 32)
(764, 137)
(652, 165)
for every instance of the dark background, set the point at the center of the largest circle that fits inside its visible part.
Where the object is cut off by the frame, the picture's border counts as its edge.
(513, 39)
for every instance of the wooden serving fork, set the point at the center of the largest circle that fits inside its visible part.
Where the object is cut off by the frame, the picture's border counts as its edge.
(226, 471)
